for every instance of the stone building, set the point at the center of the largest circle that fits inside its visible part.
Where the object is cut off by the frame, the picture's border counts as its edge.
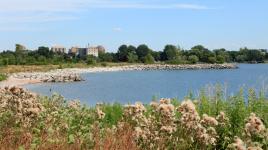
(89, 50)
(58, 49)
(74, 51)
(101, 49)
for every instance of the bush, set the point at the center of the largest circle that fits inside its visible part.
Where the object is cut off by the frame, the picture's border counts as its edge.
(212, 60)
(174, 61)
(91, 60)
(104, 64)
(209, 122)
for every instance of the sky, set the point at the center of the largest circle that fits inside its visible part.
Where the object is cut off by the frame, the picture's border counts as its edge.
(229, 24)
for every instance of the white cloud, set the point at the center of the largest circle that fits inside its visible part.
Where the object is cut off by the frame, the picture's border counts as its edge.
(36, 11)
(148, 6)
(73, 5)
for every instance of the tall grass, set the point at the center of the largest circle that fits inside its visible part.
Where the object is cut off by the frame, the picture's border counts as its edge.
(215, 122)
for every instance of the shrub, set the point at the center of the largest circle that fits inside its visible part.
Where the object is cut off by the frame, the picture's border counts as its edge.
(209, 121)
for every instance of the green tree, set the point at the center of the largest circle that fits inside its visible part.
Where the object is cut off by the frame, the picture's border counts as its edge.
(156, 55)
(106, 57)
(193, 59)
(122, 53)
(171, 52)
(44, 51)
(132, 57)
(149, 59)
(212, 60)
(91, 60)
(142, 51)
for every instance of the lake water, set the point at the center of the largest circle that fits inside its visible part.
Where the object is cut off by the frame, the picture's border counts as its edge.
(131, 86)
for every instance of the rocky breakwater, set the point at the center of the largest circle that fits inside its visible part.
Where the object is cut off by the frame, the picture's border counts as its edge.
(52, 76)
(180, 67)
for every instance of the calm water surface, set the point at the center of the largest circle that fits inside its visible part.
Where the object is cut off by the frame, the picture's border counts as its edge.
(131, 86)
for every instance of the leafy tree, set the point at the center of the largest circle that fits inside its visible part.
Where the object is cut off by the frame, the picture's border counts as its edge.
(156, 55)
(149, 59)
(142, 51)
(91, 60)
(212, 60)
(106, 57)
(132, 57)
(220, 59)
(193, 59)
(122, 53)
(171, 52)
(44, 51)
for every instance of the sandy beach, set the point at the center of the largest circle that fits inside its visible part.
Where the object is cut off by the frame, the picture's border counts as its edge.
(11, 81)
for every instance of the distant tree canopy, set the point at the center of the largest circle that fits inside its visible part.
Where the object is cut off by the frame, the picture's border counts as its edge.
(131, 54)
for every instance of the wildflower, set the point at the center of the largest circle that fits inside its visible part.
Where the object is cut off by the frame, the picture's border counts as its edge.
(254, 125)
(166, 109)
(209, 121)
(168, 129)
(75, 104)
(190, 118)
(165, 101)
(222, 119)
(22, 103)
(100, 113)
(154, 105)
(238, 144)
(139, 107)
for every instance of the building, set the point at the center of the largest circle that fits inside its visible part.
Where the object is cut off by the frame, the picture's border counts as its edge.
(74, 51)
(101, 49)
(19, 47)
(93, 51)
(89, 50)
(58, 49)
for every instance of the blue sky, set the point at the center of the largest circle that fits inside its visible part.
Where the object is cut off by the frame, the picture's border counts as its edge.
(214, 23)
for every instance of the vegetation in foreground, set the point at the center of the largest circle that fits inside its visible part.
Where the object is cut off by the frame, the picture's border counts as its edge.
(3, 77)
(207, 122)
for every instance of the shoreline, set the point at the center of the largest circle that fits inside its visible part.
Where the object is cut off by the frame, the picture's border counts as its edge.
(73, 74)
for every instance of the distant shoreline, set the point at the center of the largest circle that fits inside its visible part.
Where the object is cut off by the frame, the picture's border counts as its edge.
(73, 74)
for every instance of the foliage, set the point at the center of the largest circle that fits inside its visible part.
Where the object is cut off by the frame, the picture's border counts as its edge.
(91, 60)
(148, 59)
(3, 77)
(128, 53)
(193, 59)
(210, 121)
(132, 57)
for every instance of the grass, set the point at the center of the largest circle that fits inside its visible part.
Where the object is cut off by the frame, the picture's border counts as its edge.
(161, 125)
(3, 77)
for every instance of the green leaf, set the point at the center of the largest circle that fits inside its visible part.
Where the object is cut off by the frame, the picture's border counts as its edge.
(71, 139)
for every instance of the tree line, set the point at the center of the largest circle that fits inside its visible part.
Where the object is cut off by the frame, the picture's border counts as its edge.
(142, 54)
